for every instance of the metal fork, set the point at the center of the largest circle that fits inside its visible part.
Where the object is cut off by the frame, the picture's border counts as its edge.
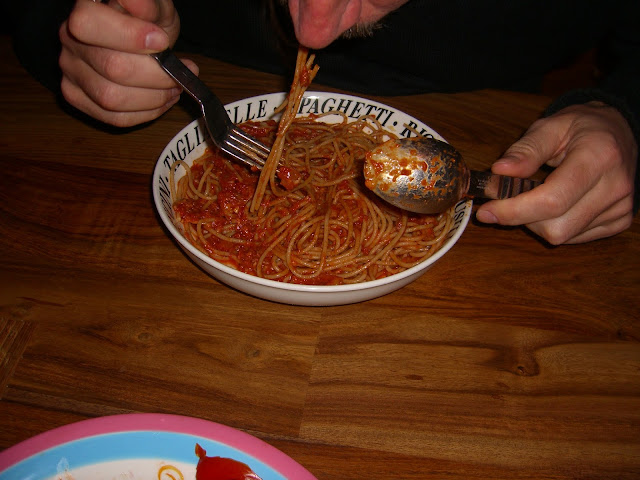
(227, 136)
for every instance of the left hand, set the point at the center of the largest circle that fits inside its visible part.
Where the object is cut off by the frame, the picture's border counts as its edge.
(106, 70)
(589, 195)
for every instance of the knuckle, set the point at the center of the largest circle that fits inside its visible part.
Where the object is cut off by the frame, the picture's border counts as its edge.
(67, 61)
(116, 67)
(122, 121)
(63, 32)
(74, 96)
(68, 92)
(624, 210)
(63, 60)
(76, 23)
(627, 221)
(108, 96)
(555, 203)
(626, 188)
(609, 152)
(526, 145)
(554, 233)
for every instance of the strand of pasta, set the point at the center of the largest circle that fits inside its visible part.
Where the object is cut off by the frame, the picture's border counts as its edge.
(303, 76)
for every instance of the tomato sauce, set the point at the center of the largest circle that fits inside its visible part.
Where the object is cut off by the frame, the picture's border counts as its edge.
(225, 214)
(221, 468)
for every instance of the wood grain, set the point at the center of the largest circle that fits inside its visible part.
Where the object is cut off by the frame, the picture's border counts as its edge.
(14, 335)
(509, 359)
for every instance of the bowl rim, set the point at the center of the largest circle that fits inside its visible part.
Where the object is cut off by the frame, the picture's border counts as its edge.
(449, 242)
(33, 447)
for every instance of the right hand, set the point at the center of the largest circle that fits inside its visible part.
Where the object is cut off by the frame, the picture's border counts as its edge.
(106, 70)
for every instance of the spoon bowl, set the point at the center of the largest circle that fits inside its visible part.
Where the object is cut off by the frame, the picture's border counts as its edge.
(425, 175)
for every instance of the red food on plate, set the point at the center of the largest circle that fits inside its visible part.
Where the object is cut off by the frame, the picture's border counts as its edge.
(220, 468)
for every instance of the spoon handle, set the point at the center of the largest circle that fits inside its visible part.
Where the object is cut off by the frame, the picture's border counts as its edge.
(497, 187)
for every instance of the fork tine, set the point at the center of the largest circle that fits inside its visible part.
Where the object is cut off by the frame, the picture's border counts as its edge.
(241, 155)
(245, 148)
(250, 143)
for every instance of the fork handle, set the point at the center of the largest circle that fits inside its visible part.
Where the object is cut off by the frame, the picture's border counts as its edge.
(497, 187)
(218, 119)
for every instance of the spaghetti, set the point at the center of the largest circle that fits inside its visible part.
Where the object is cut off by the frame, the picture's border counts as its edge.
(307, 218)
(303, 76)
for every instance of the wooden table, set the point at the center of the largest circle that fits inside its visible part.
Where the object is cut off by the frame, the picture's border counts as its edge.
(508, 359)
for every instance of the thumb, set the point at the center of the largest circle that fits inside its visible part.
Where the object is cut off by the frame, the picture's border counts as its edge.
(160, 12)
(147, 10)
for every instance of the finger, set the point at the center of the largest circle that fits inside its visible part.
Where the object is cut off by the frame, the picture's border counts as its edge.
(603, 231)
(160, 12)
(129, 69)
(621, 208)
(112, 3)
(113, 96)
(101, 25)
(581, 218)
(148, 10)
(549, 200)
(544, 142)
(75, 96)
(119, 67)
(122, 68)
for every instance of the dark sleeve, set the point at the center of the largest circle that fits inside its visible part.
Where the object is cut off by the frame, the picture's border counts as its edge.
(620, 86)
(33, 25)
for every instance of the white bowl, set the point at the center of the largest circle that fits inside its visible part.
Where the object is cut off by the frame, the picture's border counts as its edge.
(190, 144)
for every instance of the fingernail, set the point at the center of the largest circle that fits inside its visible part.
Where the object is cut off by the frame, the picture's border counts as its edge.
(506, 161)
(503, 161)
(155, 41)
(512, 155)
(486, 217)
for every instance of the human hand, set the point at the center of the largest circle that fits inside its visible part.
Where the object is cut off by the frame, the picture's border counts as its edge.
(589, 195)
(107, 72)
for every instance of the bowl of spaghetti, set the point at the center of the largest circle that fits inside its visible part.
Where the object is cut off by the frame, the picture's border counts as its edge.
(308, 232)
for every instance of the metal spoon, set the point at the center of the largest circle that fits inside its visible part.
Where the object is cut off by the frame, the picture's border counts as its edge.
(425, 175)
